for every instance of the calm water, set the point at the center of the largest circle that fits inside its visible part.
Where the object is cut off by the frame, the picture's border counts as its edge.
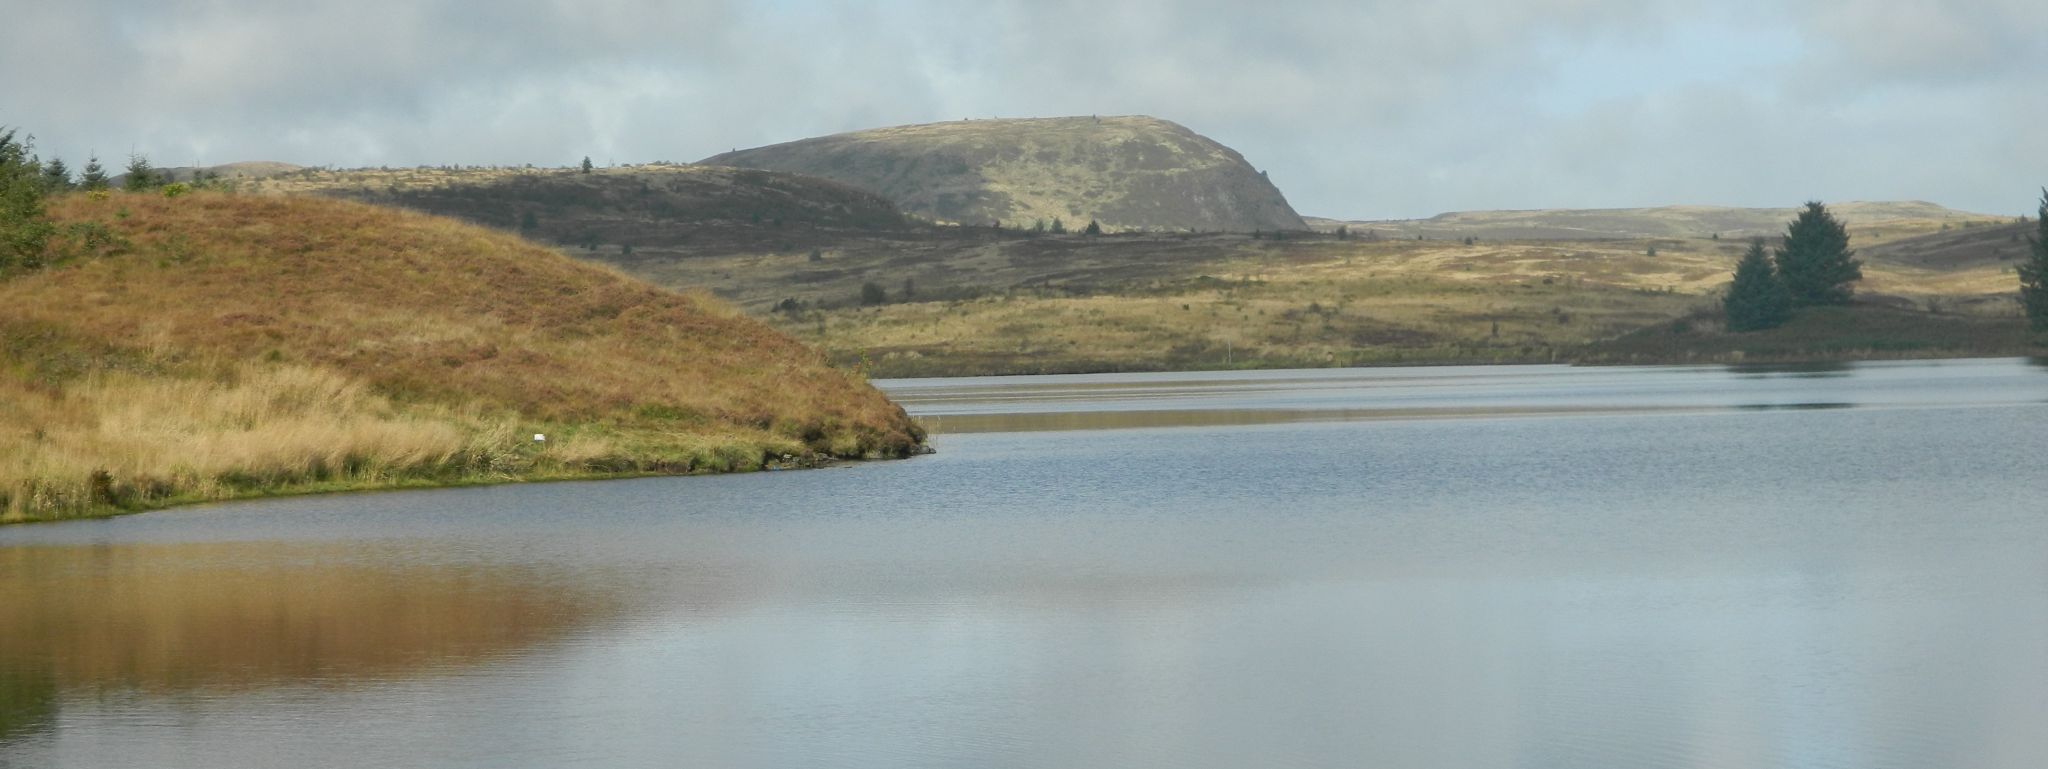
(1450, 567)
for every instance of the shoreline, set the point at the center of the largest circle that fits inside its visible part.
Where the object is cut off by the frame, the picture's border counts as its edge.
(333, 488)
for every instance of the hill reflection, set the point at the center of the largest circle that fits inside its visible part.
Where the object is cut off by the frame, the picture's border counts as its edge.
(177, 617)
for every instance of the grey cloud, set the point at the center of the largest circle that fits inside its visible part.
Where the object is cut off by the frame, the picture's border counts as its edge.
(1365, 109)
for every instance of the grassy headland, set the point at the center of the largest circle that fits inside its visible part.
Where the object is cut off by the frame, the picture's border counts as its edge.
(214, 346)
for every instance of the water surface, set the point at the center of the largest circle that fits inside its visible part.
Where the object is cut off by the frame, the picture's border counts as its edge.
(1449, 567)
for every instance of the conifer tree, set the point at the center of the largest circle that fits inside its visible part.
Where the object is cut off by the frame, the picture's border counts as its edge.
(1094, 228)
(1815, 262)
(1058, 227)
(2034, 271)
(586, 164)
(56, 176)
(94, 177)
(23, 228)
(141, 176)
(1757, 299)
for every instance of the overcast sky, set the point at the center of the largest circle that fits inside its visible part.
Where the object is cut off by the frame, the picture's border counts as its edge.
(1357, 108)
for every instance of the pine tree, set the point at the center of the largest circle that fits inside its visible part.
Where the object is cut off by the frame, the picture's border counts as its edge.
(2034, 271)
(1757, 299)
(141, 177)
(586, 164)
(1815, 262)
(56, 176)
(1058, 227)
(1093, 228)
(23, 228)
(94, 177)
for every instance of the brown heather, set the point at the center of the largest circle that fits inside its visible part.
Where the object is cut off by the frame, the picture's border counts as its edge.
(240, 345)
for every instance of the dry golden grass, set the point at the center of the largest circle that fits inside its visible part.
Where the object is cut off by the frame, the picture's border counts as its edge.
(242, 344)
(1224, 301)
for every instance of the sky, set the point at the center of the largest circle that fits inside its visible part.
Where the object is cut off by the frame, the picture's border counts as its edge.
(1360, 109)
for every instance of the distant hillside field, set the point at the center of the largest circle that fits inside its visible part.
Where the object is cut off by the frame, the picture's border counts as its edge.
(911, 298)
(213, 346)
(1630, 223)
(1126, 172)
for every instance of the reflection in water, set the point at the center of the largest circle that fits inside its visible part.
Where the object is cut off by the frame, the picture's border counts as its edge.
(1678, 581)
(28, 700)
(1123, 420)
(179, 617)
(1794, 406)
(1819, 369)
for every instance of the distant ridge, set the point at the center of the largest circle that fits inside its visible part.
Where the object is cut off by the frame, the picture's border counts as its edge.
(1660, 222)
(1126, 172)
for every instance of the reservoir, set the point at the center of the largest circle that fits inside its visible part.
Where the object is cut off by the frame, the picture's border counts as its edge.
(1531, 566)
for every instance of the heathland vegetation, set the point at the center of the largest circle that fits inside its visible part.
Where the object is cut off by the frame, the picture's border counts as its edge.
(172, 344)
(900, 296)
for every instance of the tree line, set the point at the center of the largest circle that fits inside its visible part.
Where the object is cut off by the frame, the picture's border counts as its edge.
(1814, 267)
(27, 181)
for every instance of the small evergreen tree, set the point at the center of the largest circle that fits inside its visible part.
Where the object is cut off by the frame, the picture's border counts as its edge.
(1038, 226)
(1058, 227)
(56, 176)
(23, 228)
(1757, 299)
(2034, 271)
(1094, 228)
(1815, 262)
(872, 293)
(1343, 232)
(141, 177)
(586, 164)
(94, 177)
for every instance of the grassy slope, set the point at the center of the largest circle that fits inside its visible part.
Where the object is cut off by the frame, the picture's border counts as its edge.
(1161, 302)
(1867, 218)
(988, 301)
(241, 345)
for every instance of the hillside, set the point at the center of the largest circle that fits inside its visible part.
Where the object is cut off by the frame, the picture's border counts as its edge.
(231, 172)
(1958, 248)
(213, 346)
(1662, 222)
(1126, 172)
(976, 301)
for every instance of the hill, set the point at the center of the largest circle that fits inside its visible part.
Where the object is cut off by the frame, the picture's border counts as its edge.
(241, 171)
(1126, 172)
(978, 300)
(213, 346)
(616, 209)
(1971, 245)
(1662, 222)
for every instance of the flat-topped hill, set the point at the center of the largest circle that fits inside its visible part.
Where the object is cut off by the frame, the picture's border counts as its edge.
(1126, 172)
(212, 345)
